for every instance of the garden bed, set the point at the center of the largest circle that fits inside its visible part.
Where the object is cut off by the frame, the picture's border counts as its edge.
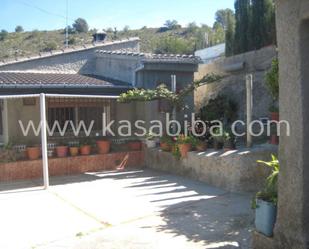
(32, 169)
(236, 170)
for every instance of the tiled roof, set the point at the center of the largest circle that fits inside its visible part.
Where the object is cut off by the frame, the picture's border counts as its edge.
(14, 78)
(148, 57)
(64, 51)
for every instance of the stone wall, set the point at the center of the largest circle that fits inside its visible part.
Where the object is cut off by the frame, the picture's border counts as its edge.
(81, 60)
(235, 171)
(235, 68)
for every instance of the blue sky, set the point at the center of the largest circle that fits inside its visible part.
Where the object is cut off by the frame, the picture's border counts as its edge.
(49, 14)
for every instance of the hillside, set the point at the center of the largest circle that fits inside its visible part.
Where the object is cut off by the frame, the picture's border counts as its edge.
(159, 40)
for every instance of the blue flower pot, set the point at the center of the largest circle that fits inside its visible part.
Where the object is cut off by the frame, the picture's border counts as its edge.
(265, 217)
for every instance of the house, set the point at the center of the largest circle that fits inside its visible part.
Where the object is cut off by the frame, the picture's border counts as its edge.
(71, 79)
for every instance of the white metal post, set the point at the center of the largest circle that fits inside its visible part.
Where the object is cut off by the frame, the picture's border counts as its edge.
(44, 140)
(249, 107)
(173, 88)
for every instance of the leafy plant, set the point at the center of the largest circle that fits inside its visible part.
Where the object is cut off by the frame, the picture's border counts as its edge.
(272, 79)
(162, 92)
(167, 139)
(219, 108)
(183, 139)
(270, 191)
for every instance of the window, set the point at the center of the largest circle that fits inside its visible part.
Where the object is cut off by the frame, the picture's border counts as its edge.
(76, 110)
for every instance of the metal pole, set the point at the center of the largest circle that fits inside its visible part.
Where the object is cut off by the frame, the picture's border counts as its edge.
(173, 88)
(249, 107)
(44, 140)
(67, 28)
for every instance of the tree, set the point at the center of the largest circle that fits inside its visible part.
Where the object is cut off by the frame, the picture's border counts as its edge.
(80, 25)
(192, 27)
(171, 24)
(19, 29)
(229, 35)
(222, 16)
(126, 29)
(242, 28)
(3, 34)
(263, 23)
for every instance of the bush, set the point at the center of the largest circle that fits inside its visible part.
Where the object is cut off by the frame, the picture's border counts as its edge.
(19, 29)
(72, 41)
(220, 108)
(80, 25)
(50, 46)
(3, 34)
(174, 45)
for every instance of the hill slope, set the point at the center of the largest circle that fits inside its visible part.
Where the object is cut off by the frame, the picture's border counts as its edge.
(159, 40)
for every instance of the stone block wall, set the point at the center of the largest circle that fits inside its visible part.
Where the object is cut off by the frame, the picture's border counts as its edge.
(235, 171)
(254, 62)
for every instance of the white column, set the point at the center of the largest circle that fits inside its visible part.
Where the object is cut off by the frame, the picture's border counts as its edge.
(249, 107)
(173, 88)
(44, 140)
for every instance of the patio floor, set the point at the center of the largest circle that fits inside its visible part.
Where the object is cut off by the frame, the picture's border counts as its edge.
(129, 209)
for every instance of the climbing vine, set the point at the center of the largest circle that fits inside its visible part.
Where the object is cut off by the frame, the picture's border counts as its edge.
(162, 92)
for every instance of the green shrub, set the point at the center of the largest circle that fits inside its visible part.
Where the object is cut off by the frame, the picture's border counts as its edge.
(272, 79)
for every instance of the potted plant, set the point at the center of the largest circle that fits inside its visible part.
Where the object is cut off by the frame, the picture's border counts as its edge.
(135, 145)
(265, 203)
(33, 152)
(272, 83)
(185, 144)
(218, 140)
(103, 146)
(85, 147)
(62, 150)
(229, 141)
(74, 150)
(150, 140)
(166, 143)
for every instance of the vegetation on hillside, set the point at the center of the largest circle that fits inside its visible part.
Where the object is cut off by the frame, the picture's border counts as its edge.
(170, 38)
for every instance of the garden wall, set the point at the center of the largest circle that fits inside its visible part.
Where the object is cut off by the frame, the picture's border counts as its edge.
(235, 171)
(69, 165)
(233, 85)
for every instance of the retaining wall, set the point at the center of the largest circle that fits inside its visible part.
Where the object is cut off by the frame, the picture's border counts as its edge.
(235, 171)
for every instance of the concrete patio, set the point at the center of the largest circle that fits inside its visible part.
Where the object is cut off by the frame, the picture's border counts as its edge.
(129, 209)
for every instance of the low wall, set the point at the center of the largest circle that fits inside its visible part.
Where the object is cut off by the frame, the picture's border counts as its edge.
(69, 165)
(235, 171)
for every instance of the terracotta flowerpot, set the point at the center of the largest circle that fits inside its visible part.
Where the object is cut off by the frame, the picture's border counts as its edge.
(165, 146)
(33, 153)
(274, 116)
(184, 149)
(85, 150)
(74, 151)
(274, 139)
(103, 146)
(62, 151)
(229, 145)
(135, 145)
(201, 147)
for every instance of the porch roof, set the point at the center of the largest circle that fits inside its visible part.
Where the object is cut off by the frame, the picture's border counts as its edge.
(32, 82)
